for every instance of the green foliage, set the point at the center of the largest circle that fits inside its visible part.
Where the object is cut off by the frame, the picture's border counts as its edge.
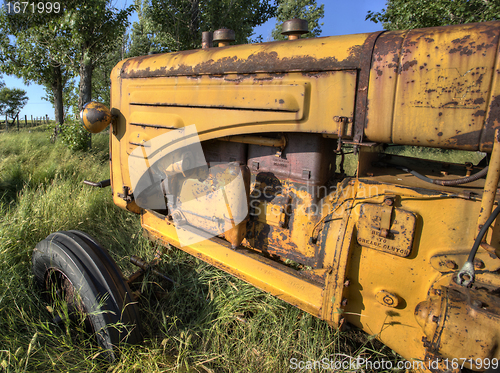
(146, 35)
(95, 28)
(409, 14)
(12, 100)
(69, 99)
(101, 74)
(74, 136)
(182, 21)
(66, 44)
(303, 9)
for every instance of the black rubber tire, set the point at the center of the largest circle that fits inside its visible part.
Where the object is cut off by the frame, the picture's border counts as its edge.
(105, 296)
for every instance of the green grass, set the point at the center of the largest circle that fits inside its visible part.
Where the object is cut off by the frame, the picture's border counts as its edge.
(211, 322)
(433, 154)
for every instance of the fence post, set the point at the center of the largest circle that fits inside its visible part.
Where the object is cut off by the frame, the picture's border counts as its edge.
(31, 120)
(17, 117)
(25, 121)
(6, 123)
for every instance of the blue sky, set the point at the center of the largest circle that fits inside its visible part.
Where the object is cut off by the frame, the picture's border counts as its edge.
(342, 17)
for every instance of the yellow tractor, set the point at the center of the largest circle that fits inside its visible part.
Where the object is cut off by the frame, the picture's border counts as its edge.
(236, 155)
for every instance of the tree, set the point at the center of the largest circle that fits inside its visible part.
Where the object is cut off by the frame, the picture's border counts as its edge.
(12, 100)
(303, 9)
(184, 20)
(36, 55)
(101, 80)
(95, 28)
(409, 14)
(69, 98)
(147, 36)
(75, 38)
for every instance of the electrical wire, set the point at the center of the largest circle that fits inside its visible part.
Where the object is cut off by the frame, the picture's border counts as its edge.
(453, 182)
(468, 267)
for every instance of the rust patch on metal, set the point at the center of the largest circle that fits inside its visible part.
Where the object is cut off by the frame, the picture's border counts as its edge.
(257, 62)
(492, 123)
(362, 91)
(468, 139)
(388, 48)
(408, 64)
(463, 49)
(461, 40)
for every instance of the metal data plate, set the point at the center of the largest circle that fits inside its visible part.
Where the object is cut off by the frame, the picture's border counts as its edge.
(401, 229)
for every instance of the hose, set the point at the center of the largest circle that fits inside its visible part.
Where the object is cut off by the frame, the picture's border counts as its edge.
(468, 267)
(453, 182)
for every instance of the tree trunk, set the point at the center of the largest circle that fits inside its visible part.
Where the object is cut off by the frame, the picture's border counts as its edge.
(194, 24)
(85, 94)
(57, 91)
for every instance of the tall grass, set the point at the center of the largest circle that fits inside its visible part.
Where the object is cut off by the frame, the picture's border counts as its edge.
(209, 322)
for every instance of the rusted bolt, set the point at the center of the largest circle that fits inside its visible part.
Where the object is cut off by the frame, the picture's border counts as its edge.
(389, 201)
(352, 182)
(435, 319)
(336, 119)
(344, 302)
(347, 283)
(224, 36)
(293, 28)
(384, 232)
(478, 264)
(450, 264)
(469, 167)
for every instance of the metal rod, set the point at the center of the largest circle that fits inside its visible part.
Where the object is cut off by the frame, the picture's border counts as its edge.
(100, 184)
(134, 259)
(207, 39)
(491, 184)
(466, 275)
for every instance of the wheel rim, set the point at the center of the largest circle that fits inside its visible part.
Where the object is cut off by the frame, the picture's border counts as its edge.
(60, 288)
